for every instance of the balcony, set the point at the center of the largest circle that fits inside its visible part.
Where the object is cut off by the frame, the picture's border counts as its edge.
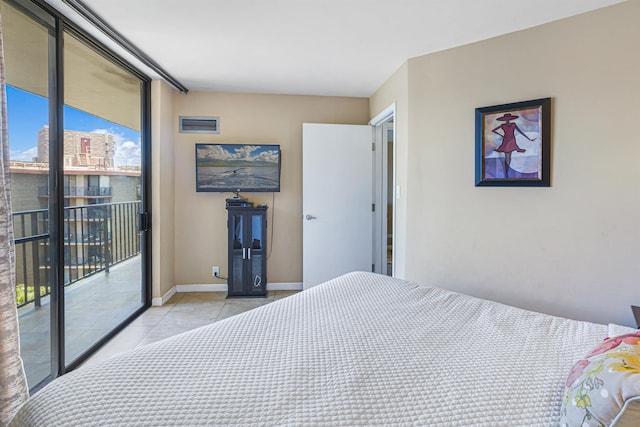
(95, 238)
(102, 277)
(84, 192)
(93, 307)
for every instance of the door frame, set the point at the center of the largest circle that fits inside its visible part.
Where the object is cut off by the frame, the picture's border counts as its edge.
(380, 182)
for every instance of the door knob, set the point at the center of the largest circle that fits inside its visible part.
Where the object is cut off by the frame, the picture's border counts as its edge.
(309, 217)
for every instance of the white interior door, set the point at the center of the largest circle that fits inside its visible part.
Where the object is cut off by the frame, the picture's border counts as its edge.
(337, 193)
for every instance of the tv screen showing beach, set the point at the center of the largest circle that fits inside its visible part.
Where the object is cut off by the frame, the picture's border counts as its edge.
(237, 167)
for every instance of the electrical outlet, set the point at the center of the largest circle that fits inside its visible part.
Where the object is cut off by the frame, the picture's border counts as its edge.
(215, 271)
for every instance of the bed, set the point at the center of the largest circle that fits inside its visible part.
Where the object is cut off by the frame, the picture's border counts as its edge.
(362, 349)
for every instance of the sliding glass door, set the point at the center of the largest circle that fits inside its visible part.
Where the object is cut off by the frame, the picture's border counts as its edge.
(102, 165)
(78, 142)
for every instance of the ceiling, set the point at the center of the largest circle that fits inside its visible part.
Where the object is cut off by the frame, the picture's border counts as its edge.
(312, 47)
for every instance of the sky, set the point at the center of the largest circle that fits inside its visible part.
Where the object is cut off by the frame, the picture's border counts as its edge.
(28, 113)
(264, 153)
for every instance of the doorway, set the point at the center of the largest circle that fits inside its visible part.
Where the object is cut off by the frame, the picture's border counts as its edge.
(366, 235)
(384, 192)
(388, 180)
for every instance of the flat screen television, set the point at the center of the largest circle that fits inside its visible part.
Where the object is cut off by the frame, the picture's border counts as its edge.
(237, 168)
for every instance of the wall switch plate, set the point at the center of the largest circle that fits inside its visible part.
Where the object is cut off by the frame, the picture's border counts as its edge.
(215, 271)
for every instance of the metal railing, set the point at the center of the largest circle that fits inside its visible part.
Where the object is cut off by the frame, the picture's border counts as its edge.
(92, 191)
(95, 238)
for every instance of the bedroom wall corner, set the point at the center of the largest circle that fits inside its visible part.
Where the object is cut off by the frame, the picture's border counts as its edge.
(162, 193)
(571, 249)
(396, 89)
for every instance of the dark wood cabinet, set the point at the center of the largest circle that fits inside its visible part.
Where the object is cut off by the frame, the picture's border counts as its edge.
(247, 251)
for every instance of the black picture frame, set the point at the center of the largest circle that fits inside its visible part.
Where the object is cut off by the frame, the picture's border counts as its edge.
(513, 144)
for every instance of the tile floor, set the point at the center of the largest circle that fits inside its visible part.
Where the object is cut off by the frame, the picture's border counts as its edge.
(184, 311)
(93, 306)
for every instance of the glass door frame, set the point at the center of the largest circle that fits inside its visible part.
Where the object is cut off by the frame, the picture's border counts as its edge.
(44, 13)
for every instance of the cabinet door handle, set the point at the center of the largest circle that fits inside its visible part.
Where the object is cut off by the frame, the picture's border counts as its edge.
(249, 252)
(244, 253)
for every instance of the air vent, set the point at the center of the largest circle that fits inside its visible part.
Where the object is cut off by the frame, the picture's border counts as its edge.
(199, 124)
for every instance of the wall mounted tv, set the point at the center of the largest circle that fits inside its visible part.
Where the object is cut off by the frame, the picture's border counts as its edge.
(237, 168)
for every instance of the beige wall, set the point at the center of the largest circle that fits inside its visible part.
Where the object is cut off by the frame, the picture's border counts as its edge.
(396, 91)
(200, 218)
(571, 249)
(162, 188)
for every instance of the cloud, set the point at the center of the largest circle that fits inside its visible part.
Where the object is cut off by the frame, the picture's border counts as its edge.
(241, 152)
(215, 152)
(24, 156)
(244, 151)
(268, 156)
(127, 153)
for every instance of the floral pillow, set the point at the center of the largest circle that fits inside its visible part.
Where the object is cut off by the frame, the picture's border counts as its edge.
(603, 385)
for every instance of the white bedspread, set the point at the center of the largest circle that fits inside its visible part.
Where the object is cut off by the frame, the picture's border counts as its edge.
(362, 349)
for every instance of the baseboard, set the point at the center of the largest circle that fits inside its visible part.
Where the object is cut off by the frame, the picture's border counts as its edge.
(284, 286)
(218, 287)
(222, 287)
(158, 301)
(205, 287)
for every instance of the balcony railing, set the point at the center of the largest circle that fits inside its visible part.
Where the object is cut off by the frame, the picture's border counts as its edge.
(79, 191)
(95, 238)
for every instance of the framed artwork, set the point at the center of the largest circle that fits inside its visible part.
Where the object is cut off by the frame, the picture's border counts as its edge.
(237, 168)
(513, 144)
